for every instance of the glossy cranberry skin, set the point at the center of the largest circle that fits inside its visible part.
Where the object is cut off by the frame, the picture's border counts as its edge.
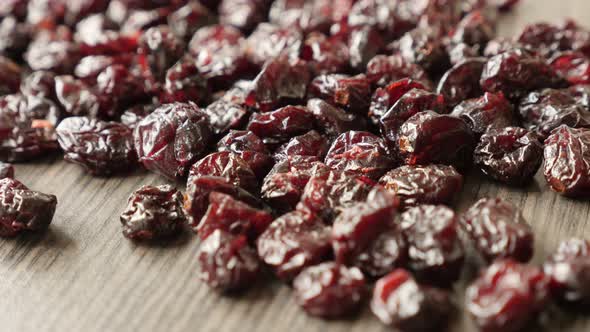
(408, 105)
(171, 138)
(79, 99)
(159, 49)
(250, 148)
(567, 160)
(293, 242)
(23, 210)
(363, 44)
(6, 170)
(430, 184)
(476, 28)
(490, 111)
(280, 125)
(361, 153)
(507, 296)
(331, 120)
(325, 55)
(511, 155)
(280, 82)
(350, 93)
(435, 251)
(228, 165)
(126, 86)
(307, 16)
(497, 229)
(516, 72)
(215, 38)
(27, 127)
(545, 38)
(10, 73)
(189, 18)
(59, 56)
(142, 20)
(569, 270)
(133, 115)
(330, 290)
(384, 98)
(462, 81)
(225, 115)
(428, 137)
(153, 212)
(184, 84)
(243, 14)
(102, 148)
(431, 307)
(269, 41)
(308, 144)
(573, 66)
(544, 110)
(91, 66)
(227, 263)
(383, 70)
(422, 47)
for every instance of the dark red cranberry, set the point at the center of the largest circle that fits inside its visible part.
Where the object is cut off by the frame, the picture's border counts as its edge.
(159, 49)
(228, 165)
(225, 115)
(250, 148)
(184, 83)
(40, 84)
(78, 99)
(361, 153)
(171, 138)
(243, 14)
(215, 38)
(363, 44)
(568, 267)
(280, 125)
(500, 45)
(462, 52)
(398, 291)
(476, 28)
(307, 16)
(490, 111)
(390, 18)
(330, 290)
(333, 121)
(422, 47)
(97, 29)
(512, 73)
(507, 296)
(10, 73)
(567, 160)
(428, 137)
(227, 263)
(383, 70)
(189, 18)
(59, 56)
(280, 82)
(141, 19)
(6, 170)
(351, 93)
(573, 66)
(125, 86)
(497, 229)
(511, 155)
(102, 148)
(430, 184)
(308, 144)
(153, 213)
(293, 242)
(27, 127)
(462, 81)
(23, 210)
(269, 41)
(91, 66)
(384, 98)
(544, 38)
(133, 115)
(325, 55)
(544, 110)
(435, 251)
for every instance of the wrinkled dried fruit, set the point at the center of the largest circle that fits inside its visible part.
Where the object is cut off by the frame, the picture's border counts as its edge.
(243, 14)
(490, 111)
(462, 81)
(384, 98)
(382, 70)
(422, 47)
(184, 84)
(225, 115)
(159, 49)
(269, 41)
(350, 93)
(280, 125)
(573, 66)
(309, 144)
(250, 148)
(332, 120)
(325, 55)
(569, 270)
(228, 165)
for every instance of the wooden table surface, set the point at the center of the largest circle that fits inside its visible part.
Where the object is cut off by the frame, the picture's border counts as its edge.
(83, 275)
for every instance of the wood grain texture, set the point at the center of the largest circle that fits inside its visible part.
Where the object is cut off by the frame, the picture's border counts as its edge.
(83, 275)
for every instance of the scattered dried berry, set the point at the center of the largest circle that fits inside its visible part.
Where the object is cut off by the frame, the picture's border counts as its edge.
(308, 144)
(568, 269)
(280, 125)
(332, 120)
(350, 93)
(250, 148)
(462, 81)
(384, 98)
(228, 165)
(490, 111)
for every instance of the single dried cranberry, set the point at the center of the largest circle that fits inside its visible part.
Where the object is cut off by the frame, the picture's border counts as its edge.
(6, 170)
(398, 291)
(497, 229)
(280, 82)
(476, 28)
(507, 296)
(430, 184)
(227, 263)
(159, 49)
(490, 111)
(428, 137)
(153, 212)
(544, 38)
(171, 138)
(27, 127)
(228, 165)
(250, 148)
(325, 55)
(333, 121)
(567, 160)
(293, 242)
(184, 83)
(361, 153)
(10, 73)
(382, 70)
(330, 290)
(462, 52)
(269, 41)
(22, 209)
(573, 66)
(516, 72)
(102, 148)
(243, 14)
(125, 86)
(568, 267)
(435, 251)
(422, 47)
(544, 110)
(225, 115)
(390, 18)
(40, 84)
(511, 155)
(133, 115)
(384, 98)
(308, 144)
(363, 44)
(408, 105)
(351, 93)
(280, 125)
(78, 99)
(189, 18)
(307, 16)
(462, 81)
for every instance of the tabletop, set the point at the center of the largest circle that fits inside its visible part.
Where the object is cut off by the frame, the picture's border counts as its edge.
(83, 275)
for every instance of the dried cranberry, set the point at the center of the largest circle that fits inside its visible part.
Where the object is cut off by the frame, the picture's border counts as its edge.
(332, 120)
(567, 160)
(475, 28)
(308, 144)
(390, 18)
(422, 47)
(568, 267)
(40, 84)
(215, 38)
(363, 44)
(500, 45)
(304, 15)
(573, 66)
(361, 153)
(133, 115)
(243, 14)
(511, 155)
(544, 38)
(325, 55)
(22, 209)
(398, 291)
(490, 111)
(250, 148)
(293, 242)
(225, 115)
(189, 18)
(462, 81)
(269, 41)
(6, 170)
(280, 125)
(428, 137)
(350, 93)
(463, 52)
(434, 250)
(171, 138)
(384, 98)
(140, 19)
(59, 56)
(228, 165)
(153, 213)
(227, 263)
(507, 296)
(330, 290)
(184, 83)
(159, 49)
(430, 184)
(78, 99)
(382, 70)
(125, 86)
(91, 66)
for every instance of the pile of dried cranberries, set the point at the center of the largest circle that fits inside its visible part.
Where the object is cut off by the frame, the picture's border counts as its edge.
(323, 140)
